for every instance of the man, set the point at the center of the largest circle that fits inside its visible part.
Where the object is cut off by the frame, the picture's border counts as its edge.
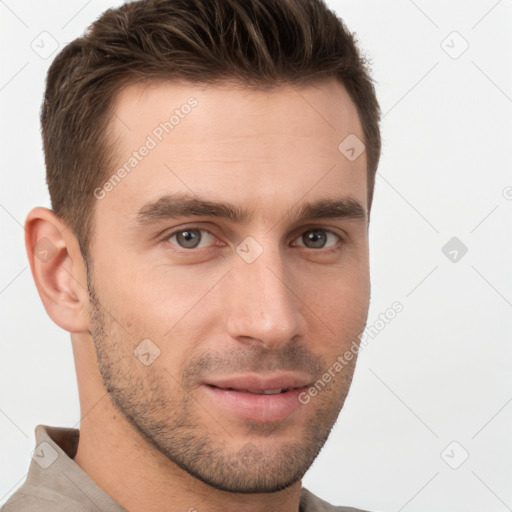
(211, 166)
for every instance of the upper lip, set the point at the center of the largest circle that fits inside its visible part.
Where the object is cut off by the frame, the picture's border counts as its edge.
(261, 382)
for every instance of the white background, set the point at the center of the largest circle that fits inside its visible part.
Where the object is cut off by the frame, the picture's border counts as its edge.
(441, 370)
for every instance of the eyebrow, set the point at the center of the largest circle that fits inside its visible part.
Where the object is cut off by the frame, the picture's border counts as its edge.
(179, 205)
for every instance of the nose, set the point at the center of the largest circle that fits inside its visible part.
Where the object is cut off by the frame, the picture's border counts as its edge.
(262, 307)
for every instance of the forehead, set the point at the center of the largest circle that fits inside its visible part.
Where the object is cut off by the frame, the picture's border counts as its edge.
(262, 148)
(232, 110)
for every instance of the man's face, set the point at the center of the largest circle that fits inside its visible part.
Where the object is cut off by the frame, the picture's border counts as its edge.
(245, 302)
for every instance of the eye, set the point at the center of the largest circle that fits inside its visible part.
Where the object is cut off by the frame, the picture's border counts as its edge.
(318, 239)
(190, 238)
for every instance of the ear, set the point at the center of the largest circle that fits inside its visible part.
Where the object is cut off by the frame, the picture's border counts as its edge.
(58, 269)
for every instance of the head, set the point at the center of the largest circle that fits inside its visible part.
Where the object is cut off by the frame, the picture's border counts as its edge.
(195, 150)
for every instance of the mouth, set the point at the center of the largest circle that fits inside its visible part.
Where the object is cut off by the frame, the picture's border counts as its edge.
(269, 383)
(257, 397)
(276, 391)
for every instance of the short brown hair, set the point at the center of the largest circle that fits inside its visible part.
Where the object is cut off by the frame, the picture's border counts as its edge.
(257, 43)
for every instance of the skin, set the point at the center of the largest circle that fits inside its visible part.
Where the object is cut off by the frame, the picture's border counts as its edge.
(150, 436)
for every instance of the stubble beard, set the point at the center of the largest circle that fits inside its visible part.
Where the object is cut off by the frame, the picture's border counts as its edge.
(174, 428)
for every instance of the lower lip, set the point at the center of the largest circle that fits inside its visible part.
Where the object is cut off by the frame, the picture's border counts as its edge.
(254, 407)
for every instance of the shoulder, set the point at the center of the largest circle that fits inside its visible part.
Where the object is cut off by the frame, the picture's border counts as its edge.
(23, 502)
(311, 503)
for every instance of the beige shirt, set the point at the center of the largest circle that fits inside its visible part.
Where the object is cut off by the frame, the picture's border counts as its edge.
(56, 483)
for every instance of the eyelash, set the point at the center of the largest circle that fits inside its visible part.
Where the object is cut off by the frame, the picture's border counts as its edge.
(335, 247)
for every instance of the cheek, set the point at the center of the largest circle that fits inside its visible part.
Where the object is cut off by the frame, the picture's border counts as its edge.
(343, 309)
(337, 305)
(175, 307)
(154, 294)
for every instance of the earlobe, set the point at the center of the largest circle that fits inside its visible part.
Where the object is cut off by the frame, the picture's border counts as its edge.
(58, 269)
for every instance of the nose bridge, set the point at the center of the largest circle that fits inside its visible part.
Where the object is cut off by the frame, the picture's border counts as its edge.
(262, 305)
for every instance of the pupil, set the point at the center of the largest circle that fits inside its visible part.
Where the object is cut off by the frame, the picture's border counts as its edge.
(189, 238)
(315, 239)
